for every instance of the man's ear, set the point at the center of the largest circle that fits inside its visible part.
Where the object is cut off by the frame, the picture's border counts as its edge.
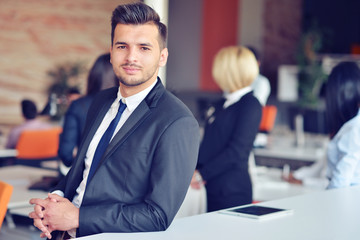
(163, 57)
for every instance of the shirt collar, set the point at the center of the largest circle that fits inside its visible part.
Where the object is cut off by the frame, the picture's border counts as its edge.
(133, 101)
(234, 97)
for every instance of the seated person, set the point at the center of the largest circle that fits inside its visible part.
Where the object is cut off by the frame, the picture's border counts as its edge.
(343, 114)
(29, 112)
(313, 176)
(72, 95)
(101, 76)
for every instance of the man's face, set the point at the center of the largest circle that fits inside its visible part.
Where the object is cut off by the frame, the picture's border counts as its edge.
(136, 55)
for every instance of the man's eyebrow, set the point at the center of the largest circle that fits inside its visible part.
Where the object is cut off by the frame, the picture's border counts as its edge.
(120, 43)
(145, 44)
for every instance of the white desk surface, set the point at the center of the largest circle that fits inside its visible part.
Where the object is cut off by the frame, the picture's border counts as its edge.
(5, 153)
(268, 185)
(331, 214)
(21, 177)
(282, 145)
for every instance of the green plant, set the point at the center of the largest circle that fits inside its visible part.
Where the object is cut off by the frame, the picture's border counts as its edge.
(64, 77)
(311, 75)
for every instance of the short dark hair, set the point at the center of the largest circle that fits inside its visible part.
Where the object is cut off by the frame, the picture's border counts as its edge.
(137, 13)
(28, 109)
(73, 90)
(342, 95)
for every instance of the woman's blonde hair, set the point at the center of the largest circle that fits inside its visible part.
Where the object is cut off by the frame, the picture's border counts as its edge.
(234, 67)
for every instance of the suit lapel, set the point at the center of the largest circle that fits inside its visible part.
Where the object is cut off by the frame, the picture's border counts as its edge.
(135, 119)
(90, 134)
(133, 122)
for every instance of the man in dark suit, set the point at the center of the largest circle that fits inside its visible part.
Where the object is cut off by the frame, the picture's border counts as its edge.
(144, 173)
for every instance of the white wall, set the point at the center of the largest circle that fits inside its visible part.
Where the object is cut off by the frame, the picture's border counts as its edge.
(162, 8)
(184, 39)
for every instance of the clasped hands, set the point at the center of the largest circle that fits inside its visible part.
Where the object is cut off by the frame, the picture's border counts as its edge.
(54, 213)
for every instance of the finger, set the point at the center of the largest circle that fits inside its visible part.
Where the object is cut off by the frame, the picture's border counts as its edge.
(43, 235)
(48, 234)
(38, 201)
(55, 197)
(33, 215)
(38, 224)
(39, 211)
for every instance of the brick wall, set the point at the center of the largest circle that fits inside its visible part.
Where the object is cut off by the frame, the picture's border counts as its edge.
(282, 32)
(37, 35)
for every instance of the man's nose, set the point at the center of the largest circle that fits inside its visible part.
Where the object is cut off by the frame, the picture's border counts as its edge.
(132, 55)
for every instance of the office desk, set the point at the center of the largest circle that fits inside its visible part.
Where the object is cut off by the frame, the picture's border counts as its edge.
(7, 156)
(332, 214)
(281, 149)
(7, 153)
(21, 177)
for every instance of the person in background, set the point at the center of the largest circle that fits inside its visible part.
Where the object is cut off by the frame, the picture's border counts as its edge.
(342, 106)
(342, 168)
(101, 76)
(72, 94)
(261, 84)
(32, 122)
(230, 131)
(140, 144)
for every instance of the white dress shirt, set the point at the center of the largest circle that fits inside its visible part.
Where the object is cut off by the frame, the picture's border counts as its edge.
(262, 88)
(234, 97)
(344, 155)
(131, 104)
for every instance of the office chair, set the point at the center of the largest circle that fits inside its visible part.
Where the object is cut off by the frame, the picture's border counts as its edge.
(5, 195)
(268, 118)
(36, 146)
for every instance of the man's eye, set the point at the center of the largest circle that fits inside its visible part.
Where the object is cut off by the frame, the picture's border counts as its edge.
(145, 48)
(121, 47)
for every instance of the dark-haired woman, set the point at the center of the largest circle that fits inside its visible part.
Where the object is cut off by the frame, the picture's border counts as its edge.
(342, 103)
(101, 76)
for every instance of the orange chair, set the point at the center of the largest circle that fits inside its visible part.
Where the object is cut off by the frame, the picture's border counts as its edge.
(268, 118)
(5, 195)
(38, 145)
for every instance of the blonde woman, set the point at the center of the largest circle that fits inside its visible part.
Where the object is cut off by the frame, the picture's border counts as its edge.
(230, 131)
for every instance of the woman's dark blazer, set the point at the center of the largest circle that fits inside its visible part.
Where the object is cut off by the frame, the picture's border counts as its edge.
(223, 157)
(74, 124)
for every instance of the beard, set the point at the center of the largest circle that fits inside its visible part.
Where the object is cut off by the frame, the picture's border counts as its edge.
(132, 81)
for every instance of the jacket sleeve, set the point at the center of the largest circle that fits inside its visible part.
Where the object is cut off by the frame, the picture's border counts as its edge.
(347, 155)
(69, 137)
(172, 167)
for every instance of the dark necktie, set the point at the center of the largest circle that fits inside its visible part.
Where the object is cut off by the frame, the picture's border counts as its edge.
(105, 139)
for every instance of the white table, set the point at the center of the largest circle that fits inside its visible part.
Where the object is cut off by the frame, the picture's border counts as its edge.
(281, 149)
(21, 177)
(7, 153)
(268, 185)
(332, 214)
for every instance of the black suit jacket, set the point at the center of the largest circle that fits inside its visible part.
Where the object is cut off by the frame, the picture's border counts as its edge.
(146, 170)
(223, 157)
